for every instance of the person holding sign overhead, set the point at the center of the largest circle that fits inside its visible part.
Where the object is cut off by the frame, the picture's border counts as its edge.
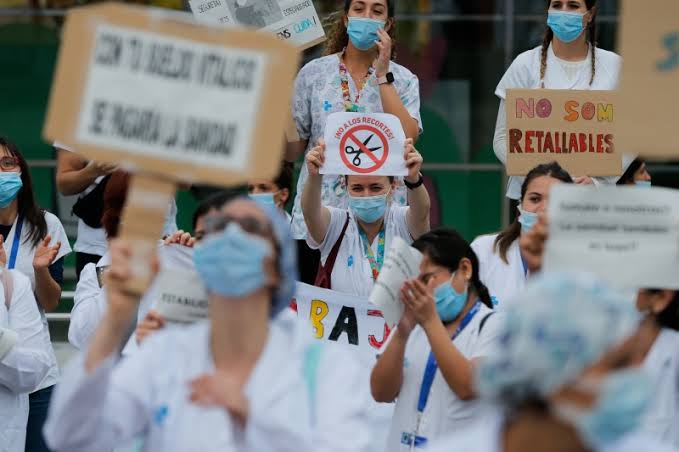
(567, 59)
(357, 74)
(503, 266)
(447, 300)
(231, 383)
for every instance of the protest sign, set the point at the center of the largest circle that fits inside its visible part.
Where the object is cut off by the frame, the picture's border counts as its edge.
(341, 318)
(369, 144)
(401, 263)
(181, 296)
(293, 20)
(574, 128)
(171, 101)
(649, 94)
(625, 235)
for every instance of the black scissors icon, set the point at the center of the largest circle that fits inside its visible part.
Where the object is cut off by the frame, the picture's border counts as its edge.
(349, 149)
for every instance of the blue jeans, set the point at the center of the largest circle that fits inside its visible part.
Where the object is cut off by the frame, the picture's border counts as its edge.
(37, 415)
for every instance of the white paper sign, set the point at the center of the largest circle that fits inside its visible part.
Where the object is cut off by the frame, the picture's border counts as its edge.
(369, 144)
(293, 20)
(341, 318)
(180, 295)
(627, 236)
(163, 96)
(401, 263)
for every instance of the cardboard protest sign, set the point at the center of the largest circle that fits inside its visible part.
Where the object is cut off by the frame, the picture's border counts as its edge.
(293, 20)
(341, 318)
(649, 98)
(574, 128)
(401, 263)
(625, 235)
(162, 96)
(369, 144)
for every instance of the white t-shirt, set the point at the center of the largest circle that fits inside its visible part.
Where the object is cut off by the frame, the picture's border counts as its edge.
(352, 273)
(504, 281)
(93, 240)
(524, 72)
(24, 264)
(662, 364)
(445, 412)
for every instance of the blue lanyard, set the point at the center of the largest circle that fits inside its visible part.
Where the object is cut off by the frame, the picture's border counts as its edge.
(525, 266)
(432, 365)
(15, 243)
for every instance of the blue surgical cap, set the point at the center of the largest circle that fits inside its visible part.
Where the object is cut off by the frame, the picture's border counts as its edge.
(560, 325)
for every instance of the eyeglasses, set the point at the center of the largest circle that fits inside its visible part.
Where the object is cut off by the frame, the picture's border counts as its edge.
(218, 222)
(8, 163)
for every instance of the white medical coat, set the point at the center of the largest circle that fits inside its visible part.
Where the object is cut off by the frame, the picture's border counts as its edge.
(504, 280)
(147, 395)
(524, 73)
(24, 367)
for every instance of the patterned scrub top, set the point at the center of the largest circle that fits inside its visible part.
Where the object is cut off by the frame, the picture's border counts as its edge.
(317, 94)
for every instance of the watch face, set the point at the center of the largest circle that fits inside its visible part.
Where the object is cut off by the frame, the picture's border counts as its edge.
(390, 77)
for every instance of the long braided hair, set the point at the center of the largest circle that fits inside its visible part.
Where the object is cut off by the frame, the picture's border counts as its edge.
(591, 37)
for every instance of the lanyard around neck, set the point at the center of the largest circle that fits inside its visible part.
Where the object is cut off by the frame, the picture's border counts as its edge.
(15, 243)
(375, 261)
(349, 105)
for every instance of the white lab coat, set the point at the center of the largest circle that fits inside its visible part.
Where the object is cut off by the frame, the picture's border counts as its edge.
(89, 302)
(147, 395)
(486, 435)
(24, 366)
(524, 73)
(662, 365)
(504, 281)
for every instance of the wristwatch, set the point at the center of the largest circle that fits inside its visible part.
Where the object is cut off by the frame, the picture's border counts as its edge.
(414, 185)
(387, 79)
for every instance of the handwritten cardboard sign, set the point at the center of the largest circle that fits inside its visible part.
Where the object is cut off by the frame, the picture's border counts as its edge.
(649, 89)
(171, 101)
(295, 21)
(371, 144)
(574, 128)
(341, 318)
(625, 235)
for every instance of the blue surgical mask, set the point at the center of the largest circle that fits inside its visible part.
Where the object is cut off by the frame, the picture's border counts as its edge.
(642, 183)
(363, 32)
(10, 184)
(231, 262)
(264, 199)
(622, 401)
(527, 220)
(449, 303)
(566, 26)
(369, 208)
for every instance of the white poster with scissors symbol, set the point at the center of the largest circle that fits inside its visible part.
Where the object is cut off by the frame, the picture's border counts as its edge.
(369, 144)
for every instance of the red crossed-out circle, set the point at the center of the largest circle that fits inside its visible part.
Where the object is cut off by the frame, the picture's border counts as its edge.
(349, 135)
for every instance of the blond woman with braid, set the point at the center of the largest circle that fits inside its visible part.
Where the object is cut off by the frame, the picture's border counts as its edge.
(567, 59)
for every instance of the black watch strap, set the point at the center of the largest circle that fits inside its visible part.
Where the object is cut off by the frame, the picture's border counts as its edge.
(419, 182)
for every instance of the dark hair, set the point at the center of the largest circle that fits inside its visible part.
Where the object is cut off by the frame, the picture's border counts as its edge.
(446, 247)
(284, 179)
(338, 38)
(512, 232)
(346, 178)
(27, 206)
(215, 201)
(628, 176)
(115, 196)
(549, 35)
(669, 317)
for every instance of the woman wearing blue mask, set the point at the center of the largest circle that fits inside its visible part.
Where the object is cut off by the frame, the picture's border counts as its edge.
(231, 383)
(274, 192)
(33, 242)
(636, 174)
(567, 59)
(357, 74)
(565, 375)
(446, 329)
(503, 267)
